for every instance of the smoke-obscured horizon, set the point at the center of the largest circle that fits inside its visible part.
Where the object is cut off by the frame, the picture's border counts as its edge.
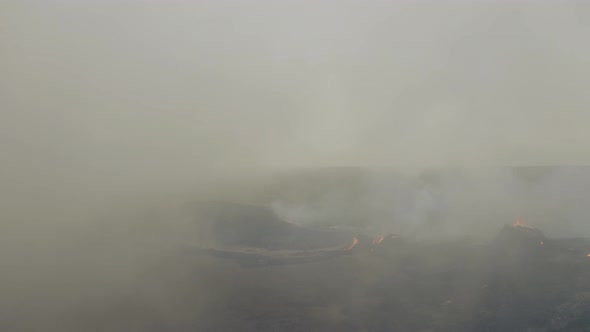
(113, 114)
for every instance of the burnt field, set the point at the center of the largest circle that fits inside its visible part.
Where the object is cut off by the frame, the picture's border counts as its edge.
(327, 258)
(284, 280)
(521, 281)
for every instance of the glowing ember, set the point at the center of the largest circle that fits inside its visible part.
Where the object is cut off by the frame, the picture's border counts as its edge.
(519, 223)
(378, 239)
(354, 243)
(588, 255)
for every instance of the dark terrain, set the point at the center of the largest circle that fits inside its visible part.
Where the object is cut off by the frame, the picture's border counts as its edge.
(519, 281)
(235, 264)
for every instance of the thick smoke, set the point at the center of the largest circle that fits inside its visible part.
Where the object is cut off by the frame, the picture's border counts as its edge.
(116, 113)
(452, 203)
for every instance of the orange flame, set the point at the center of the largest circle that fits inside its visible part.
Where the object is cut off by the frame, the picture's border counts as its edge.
(519, 223)
(378, 239)
(354, 243)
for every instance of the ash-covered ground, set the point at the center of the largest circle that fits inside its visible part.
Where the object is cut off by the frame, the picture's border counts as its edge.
(282, 257)
(519, 281)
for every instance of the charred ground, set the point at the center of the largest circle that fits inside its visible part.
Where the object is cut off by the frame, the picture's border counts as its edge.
(240, 266)
(520, 281)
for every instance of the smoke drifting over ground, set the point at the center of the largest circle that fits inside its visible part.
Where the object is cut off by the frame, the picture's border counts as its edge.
(116, 117)
(446, 202)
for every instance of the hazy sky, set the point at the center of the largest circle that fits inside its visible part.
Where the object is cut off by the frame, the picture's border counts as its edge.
(122, 91)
